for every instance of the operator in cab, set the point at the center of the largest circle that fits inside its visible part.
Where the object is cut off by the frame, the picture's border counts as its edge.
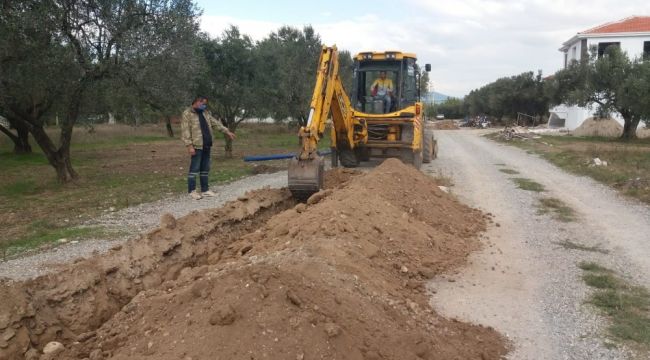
(382, 89)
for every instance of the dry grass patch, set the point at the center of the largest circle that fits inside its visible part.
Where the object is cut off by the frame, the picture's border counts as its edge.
(627, 306)
(568, 244)
(628, 169)
(556, 208)
(119, 166)
(529, 185)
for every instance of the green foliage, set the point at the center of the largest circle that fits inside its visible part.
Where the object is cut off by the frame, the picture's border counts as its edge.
(523, 93)
(452, 108)
(424, 82)
(231, 76)
(287, 67)
(55, 54)
(612, 83)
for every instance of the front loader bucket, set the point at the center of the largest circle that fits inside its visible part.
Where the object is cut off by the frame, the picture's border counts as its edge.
(305, 177)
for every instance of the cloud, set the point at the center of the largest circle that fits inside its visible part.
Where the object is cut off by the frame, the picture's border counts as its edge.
(468, 42)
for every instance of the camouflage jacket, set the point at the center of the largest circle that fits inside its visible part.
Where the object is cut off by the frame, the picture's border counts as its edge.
(191, 129)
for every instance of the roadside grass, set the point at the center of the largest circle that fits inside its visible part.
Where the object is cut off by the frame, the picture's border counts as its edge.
(41, 232)
(529, 185)
(626, 306)
(628, 169)
(509, 171)
(568, 244)
(119, 166)
(557, 208)
(592, 266)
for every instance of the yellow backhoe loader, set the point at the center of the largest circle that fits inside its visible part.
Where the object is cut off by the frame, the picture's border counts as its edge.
(383, 118)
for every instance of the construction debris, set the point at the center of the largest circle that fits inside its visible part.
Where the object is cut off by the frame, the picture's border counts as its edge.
(597, 162)
(518, 132)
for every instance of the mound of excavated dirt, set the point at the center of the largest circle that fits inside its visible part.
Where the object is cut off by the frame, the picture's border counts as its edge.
(444, 125)
(599, 127)
(338, 177)
(643, 133)
(339, 277)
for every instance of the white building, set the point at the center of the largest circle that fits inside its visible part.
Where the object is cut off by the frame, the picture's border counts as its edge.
(631, 34)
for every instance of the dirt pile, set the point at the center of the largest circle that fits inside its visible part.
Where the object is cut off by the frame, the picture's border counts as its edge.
(339, 277)
(599, 127)
(444, 125)
(643, 133)
(80, 297)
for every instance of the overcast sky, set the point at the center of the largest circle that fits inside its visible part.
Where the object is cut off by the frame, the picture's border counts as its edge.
(467, 42)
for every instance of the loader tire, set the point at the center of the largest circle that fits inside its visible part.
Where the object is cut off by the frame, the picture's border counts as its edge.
(362, 153)
(334, 157)
(348, 158)
(409, 157)
(434, 155)
(427, 148)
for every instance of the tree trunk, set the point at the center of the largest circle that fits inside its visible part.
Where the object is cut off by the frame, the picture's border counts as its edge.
(231, 124)
(22, 146)
(20, 140)
(629, 128)
(58, 158)
(228, 147)
(168, 125)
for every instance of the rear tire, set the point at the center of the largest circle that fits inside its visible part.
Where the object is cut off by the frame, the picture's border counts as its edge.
(434, 155)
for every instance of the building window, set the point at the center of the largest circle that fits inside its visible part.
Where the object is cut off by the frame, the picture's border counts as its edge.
(574, 53)
(646, 50)
(602, 47)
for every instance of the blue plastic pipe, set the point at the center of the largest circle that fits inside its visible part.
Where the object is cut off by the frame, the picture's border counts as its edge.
(278, 156)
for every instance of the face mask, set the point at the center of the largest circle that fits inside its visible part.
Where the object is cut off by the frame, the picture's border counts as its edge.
(202, 107)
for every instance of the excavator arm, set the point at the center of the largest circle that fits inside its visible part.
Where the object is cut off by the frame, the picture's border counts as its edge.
(329, 99)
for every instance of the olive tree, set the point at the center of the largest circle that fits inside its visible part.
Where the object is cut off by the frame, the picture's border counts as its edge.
(611, 82)
(229, 81)
(53, 51)
(288, 59)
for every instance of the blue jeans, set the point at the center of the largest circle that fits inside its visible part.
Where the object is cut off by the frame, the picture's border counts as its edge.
(199, 165)
(387, 102)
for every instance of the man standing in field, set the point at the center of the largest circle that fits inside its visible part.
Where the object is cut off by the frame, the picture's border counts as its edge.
(196, 133)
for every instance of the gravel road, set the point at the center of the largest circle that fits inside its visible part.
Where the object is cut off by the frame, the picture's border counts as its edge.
(131, 222)
(523, 283)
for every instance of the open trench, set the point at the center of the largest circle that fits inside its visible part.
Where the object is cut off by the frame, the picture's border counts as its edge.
(68, 305)
(342, 276)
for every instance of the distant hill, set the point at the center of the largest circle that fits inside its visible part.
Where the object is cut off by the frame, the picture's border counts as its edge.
(435, 97)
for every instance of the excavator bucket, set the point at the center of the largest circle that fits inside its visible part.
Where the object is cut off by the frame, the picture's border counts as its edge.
(306, 177)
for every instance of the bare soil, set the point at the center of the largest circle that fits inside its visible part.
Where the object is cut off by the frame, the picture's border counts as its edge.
(599, 127)
(263, 277)
(444, 125)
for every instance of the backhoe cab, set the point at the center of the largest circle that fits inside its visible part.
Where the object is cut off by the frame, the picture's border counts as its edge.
(381, 119)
